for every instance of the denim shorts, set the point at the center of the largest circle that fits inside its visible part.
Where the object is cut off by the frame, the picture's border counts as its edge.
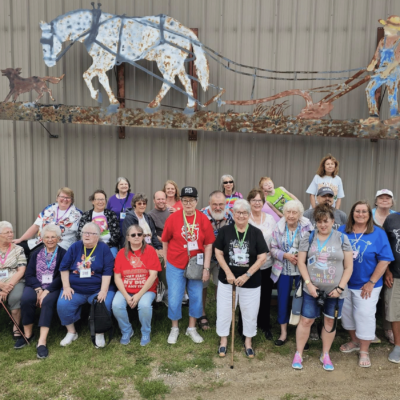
(311, 310)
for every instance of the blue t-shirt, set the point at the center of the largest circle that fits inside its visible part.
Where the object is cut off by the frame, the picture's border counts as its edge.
(101, 263)
(372, 248)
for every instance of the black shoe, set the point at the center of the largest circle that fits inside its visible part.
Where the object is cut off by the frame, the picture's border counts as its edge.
(268, 335)
(21, 342)
(306, 347)
(279, 342)
(249, 352)
(42, 351)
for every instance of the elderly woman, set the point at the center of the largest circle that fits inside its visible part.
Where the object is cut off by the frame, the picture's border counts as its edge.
(137, 216)
(285, 244)
(187, 233)
(228, 189)
(173, 200)
(325, 262)
(135, 274)
(371, 256)
(106, 220)
(121, 200)
(277, 197)
(42, 288)
(12, 270)
(241, 250)
(86, 272)
(62, 213)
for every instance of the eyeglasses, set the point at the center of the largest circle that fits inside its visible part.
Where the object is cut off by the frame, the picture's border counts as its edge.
(136, 234)
(99, 199)
(242, 213)
(361, 212)
(7, 233)
(140, 203)
(255, 201)
(226, 182)
(64, 198)
(188, 201)
(51, 237)
(89, 234)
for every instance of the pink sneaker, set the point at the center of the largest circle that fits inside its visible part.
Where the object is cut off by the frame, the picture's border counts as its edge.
(326, 362)
(297, 361)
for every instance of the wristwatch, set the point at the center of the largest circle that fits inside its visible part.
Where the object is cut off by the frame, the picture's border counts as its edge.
(207, 269)
(248, 274)
(307, 282)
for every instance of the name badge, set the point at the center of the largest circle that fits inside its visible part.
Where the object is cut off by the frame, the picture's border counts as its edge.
(293, 251)
(85, 273)
(47, 278)
(193, 245)
(148, 239)
(200, 259)
(355, 254)
(311, 260)
(3, 273)
(122, 215)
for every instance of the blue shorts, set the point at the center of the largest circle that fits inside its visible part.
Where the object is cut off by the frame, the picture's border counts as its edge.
(311, 310)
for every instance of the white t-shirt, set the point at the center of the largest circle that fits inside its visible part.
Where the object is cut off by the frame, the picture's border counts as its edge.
(334, 183)
(101, 220)
(266, 226)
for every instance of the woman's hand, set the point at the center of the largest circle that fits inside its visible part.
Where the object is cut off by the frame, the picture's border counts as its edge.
(171, 210)
(206, 275)
(38, 294)
(335, 293)
(231, 278)
(101, 296)
(67, 293)
(42, 296)
(291, 258)
(3, 296)
(134, 300)
(388, 278)
(17, 241)
(312, 290)
(241, 280)
(366, 290)
(6, 287)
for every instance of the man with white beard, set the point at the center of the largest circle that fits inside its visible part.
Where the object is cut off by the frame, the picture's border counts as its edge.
(219, 216)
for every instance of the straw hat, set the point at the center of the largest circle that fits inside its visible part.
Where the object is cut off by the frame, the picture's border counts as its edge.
(392, 22)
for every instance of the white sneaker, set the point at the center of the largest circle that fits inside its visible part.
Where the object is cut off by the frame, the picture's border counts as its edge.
(69, 338)
(192, 332)
(173, 335)
(100, 341)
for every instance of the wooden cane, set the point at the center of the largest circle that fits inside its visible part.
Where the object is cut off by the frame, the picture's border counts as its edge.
(233, 321)
(15, 322)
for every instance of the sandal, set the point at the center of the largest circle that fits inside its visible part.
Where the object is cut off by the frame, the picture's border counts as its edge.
(249, 352)
(205, 326)
(222, 351)
(350, 347)
(16, 334)
(364, 359)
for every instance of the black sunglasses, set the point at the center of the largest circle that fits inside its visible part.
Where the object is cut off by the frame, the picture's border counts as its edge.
(136, 234)
(226, 182)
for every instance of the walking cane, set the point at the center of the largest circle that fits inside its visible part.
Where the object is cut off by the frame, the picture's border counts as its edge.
(15, 322)
(233, 320)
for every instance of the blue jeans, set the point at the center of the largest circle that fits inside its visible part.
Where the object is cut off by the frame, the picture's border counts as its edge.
(310, 308)
(145, 311)
(284, 285)
(176, 289)
(114, 251)
(69, 311)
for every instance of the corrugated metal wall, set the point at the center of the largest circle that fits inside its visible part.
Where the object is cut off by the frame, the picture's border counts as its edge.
(283, 35)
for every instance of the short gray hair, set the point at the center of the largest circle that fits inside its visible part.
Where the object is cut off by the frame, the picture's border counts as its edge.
(242, 204)
(94, 225)
(5, 224)
(51, 228)
(138, 197)
(215, 193)
(294, 205)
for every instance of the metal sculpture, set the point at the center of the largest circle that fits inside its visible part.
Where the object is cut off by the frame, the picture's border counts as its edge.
(20, 85)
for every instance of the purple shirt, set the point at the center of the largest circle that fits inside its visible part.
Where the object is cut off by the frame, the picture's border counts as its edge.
(41, 266)
(267, 209)
(120, 205)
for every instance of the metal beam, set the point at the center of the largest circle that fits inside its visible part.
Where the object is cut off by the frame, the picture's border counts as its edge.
(256, 122)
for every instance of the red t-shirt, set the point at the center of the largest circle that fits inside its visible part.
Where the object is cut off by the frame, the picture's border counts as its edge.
(135, 272)
(174, 234)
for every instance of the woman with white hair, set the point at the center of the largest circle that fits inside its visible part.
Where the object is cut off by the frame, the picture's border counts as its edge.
(228, 189)
(12, 270)
(285, 248)
(42, 288)
(86, 272)
(241, 250)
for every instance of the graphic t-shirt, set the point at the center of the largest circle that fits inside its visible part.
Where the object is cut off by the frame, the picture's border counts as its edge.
(370, 249)
(101, 262)
(327, 181)
(199, 230)
(67, 220)
(241, 257)
(135, 271)
(230, 200)
(101, 221)
(392, 229)
(326, 267)
(279, 199)
(339, 215)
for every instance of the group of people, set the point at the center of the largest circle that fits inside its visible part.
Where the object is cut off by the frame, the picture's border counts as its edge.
(118, 254)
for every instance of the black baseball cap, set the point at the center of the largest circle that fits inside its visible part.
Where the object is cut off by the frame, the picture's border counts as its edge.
(189, 191)
(324, 191)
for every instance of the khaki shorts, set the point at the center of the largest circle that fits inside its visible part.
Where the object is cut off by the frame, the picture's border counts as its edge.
(392, 301)
(214, 270)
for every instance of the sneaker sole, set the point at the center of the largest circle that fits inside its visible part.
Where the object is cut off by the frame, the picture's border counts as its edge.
(323, 366)
(202, 340)
(64, 345)
(20, 347)
(40, 358)
(299, 368)
(394, 361)
(351, 350)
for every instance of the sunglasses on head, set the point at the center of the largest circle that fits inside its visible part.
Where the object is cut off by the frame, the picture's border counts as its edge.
(136, 234)
(226, 182)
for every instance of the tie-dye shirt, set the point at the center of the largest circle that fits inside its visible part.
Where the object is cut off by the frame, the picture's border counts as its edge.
(230, 200)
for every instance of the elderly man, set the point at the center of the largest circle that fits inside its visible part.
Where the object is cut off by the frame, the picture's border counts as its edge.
(219, 216)
(325, 195)
(160, 212)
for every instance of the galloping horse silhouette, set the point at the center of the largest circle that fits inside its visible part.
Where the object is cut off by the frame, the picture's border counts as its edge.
(111, 39)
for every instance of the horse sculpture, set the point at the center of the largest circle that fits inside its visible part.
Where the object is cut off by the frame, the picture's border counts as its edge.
(111, 39)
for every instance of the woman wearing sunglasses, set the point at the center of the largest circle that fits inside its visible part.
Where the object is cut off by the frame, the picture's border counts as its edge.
(135, 274)
(228, 189)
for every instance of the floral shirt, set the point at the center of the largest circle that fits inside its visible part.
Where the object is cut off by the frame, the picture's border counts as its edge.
(15, 259)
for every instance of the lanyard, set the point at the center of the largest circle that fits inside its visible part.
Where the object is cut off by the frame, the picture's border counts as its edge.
(52, 258)
(320, 248)
(4, 259)
(244, 236)
(194, 221)
(88, 257)
(357, 240)
(126, 199)
(58, 219)
(290, 243)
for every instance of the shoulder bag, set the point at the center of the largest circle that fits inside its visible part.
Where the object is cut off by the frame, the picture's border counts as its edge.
(193, 270)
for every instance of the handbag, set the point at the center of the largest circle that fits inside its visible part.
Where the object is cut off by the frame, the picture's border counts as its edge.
(297, 303)
(100, 320)
(193, 270)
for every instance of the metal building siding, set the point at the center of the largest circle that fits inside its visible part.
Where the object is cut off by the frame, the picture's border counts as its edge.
(282, 35)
